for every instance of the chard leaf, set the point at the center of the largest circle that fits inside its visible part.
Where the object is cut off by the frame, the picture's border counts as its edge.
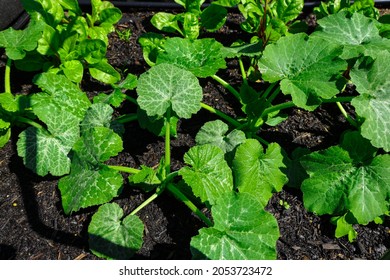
(373, 104)
(214, 132)
(258, 172)
(113, 236)
(242, 231)
(286, 10)
(18, 42)
(90, 181)
(73, 70)
(202, 57)
(45, 152)
(357, 34)
(166, 22)
(213, 17)
(208, 175)
(309, 68)
(341, 182)
(166, 86)
(104, 72)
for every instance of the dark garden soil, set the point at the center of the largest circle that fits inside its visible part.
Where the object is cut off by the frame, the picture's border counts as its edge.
(34, 226)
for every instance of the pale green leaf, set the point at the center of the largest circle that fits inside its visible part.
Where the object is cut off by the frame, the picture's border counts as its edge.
(242, 231)
(357, 33)
(113, 236)
(47, 152)
(59, 92)
(259, 172)
(372, 82)
(166, 86)
(214, 132)
(202, 57)
(98, 114)
(208, 174)
(90, 181)
(309, 68)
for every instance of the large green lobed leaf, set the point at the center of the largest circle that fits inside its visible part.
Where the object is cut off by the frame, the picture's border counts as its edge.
(202, 57)
(166, 87)
(309, 68)
(257, 172)
(348, 178)
(208, 174)
(91, 182)
(242, 231)
(357, 33)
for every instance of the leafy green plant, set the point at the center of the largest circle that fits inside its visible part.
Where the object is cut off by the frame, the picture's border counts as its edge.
(190, 23)
(366, 7)
(231, 171)
(63, 40)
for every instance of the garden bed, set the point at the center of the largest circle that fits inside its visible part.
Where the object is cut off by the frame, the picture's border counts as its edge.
(34, 226)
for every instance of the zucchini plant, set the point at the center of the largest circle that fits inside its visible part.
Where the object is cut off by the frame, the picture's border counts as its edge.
(231, 171)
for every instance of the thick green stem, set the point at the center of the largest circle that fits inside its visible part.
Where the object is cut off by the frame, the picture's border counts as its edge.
(220, 114)
(124, 169)
(145, 203)
(7, 77)
(168, 142)
(131, 99)
(176, 192)
(345, 114)
(242, 69)
(127, 118)
(278, 108)
(227, 86)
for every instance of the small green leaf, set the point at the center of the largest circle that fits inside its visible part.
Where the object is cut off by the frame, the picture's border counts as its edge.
(208, 175)
(129, 83)
(309, 68)
(18, 42)
(166, 86)
(242, 231)
(202, 57)
(156, 125)
(98, 114)
(259, 173)
(344, 228)
(214, 132)
(213, 17)
(48, 44)
(113, 236)
(73, 70)
(286, 10)
(92, 50)
(147, 179)
(373, 104)
(5, 134)
(166, 22)
(90, 181)
(104, 72)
